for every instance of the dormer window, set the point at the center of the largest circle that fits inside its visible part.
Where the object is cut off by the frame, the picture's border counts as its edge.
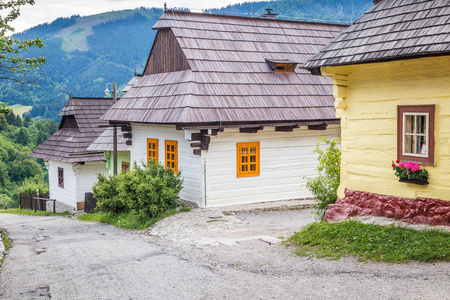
(281, 65)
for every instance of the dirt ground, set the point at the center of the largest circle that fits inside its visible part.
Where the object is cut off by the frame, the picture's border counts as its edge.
(216, 253)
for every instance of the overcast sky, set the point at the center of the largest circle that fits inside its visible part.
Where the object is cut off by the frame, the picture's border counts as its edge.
(48, 10)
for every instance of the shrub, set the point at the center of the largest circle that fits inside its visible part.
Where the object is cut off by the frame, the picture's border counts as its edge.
(30, 185)
(146, 191)
(151, 190)
(105, 191)
(324, 186)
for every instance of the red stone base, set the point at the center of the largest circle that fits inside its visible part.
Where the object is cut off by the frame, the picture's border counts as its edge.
(418, 211)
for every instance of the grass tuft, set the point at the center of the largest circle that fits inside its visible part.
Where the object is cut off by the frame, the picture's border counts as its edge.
(30, 212)
(371, 242)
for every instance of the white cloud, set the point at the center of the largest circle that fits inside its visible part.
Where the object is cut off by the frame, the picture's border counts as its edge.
(48, 10)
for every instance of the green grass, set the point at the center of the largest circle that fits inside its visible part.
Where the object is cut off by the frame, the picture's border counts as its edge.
(6, 243)
(30, 212)
(20, 109)
(6, 240)
(128, 220)
(371, 242)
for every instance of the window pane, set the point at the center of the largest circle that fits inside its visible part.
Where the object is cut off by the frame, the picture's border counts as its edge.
(409, 124)
(253, 158)
(253, 167)
(421, 122)
(410, 144)
(244, 159)
(168, 156)
(168, 148)
(252, 150)
(244, 150)
(421, 145)
(244, 168)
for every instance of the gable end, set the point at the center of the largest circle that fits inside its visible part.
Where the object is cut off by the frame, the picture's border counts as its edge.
(166, 54)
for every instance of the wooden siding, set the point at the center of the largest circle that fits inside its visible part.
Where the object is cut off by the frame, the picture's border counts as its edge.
(66, 195)
(188, 164)
(391, 30)
(87, 176)
(369, 124)
(166, 55)
(285, 158)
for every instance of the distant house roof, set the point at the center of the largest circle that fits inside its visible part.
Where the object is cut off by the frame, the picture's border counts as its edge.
(391, 29)
(105, 141)
(228, 79)
(79, 128)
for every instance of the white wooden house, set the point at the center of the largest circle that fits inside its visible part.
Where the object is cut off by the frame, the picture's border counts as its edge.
(72, 169)
(223, 100)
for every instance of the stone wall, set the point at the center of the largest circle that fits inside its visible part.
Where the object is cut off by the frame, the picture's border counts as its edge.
(60, 207)
(416, 211)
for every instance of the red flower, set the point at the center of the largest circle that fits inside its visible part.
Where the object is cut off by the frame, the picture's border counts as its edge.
(393, 165)
(397, 161)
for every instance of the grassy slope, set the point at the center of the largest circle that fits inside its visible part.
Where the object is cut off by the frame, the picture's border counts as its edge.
(20, 109)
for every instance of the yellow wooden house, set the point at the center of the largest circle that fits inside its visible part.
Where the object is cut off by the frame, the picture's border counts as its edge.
(391, 76)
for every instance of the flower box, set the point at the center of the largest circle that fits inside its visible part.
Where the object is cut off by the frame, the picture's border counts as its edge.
(419, 181)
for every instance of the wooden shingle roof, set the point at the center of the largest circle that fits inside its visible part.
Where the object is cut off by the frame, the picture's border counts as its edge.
(105, 141)
(229, 79)
(79, 128)
(391, 29)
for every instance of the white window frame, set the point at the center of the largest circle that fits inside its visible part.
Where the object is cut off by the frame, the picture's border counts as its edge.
(427, 134)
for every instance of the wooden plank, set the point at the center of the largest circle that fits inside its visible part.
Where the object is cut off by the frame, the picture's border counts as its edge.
(197, 151)
(129, 143)
(127, 135)
(126, 128)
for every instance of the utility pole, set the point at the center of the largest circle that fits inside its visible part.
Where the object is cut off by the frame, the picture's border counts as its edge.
(114, 90)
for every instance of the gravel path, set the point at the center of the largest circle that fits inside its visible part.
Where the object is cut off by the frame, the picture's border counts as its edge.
(203, 254)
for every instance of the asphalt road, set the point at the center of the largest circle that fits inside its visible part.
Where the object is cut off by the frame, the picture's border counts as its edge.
(61, 258)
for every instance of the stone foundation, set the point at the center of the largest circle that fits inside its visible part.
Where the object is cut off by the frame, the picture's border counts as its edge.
(59, 207)
(415, 211)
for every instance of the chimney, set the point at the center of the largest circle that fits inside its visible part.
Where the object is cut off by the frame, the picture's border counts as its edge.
(269, 14)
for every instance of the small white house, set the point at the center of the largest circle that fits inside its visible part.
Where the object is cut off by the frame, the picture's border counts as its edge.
(72, 169)
(223, 100)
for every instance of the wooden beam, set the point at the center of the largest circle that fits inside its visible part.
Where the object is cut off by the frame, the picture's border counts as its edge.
(127, 135)
(197, 151)
(196, 136)
(128, 143)
(126, 128)
(250, 129)
(322, 126)
(204, 147)
(284, 128)
(206, 139)
(196, 145)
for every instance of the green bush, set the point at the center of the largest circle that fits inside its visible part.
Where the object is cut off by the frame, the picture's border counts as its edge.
(29, 185)
(324, 186)
(106, 193)
(5, 201)
(146, 191)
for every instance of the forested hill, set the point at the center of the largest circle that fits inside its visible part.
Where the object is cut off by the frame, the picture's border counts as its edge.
(85, 53)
